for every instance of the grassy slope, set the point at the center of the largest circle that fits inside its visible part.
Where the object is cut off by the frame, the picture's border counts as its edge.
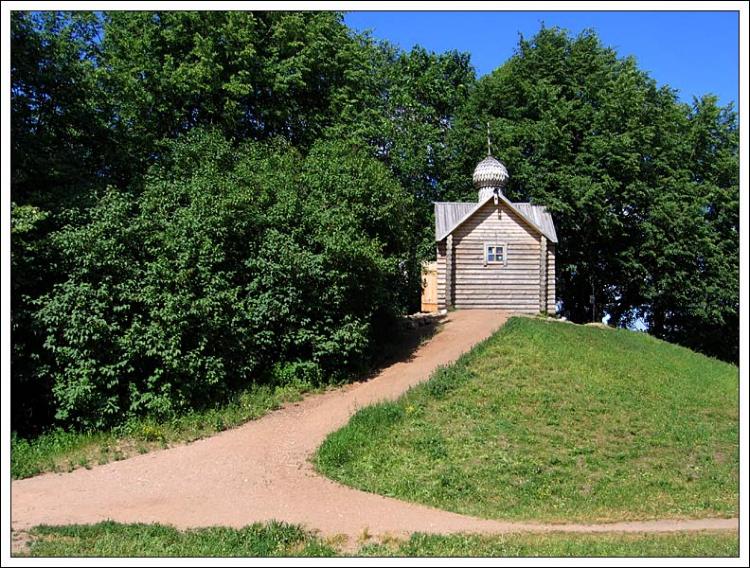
(278, 539)
(555, 422)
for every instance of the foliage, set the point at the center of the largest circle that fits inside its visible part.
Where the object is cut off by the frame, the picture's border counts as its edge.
(58, 134)
(232, 260)
(553, 421)
(252, 75)
(644, 190)
(30, 255)
(402, 106)
(58, 144)
(690, 248)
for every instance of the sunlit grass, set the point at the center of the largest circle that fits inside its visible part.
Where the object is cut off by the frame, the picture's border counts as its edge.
(700, 544)
(555, 422)
(109, 539)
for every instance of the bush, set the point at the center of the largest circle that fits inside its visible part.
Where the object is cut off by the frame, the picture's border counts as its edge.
(296, 373)
(233, 261)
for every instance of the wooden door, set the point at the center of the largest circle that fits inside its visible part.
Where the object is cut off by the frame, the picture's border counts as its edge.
(429, 287)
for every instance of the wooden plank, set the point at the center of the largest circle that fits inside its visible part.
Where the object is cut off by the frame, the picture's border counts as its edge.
(551, 297)
(497, 284)
(490, 268)
(527, 292)
(468, 264)
(499, 302)
(531, 309)
(531, 285)
(480, 268)
(543, 275)
(488, 229)
(509, 236)
(514, 257)
(478, 250)
(449, 271)
(532, 303)
(497, 275)
(513, 252)
(503, 288)
(477, 244)
(530, 292)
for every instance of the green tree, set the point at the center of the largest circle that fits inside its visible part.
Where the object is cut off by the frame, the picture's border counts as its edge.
(30, 258)
(403, 105)
(627, 172)
(58, 132)
(254, 75)
(690, 248)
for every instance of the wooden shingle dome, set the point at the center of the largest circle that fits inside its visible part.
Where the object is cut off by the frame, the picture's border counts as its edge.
(490, 174)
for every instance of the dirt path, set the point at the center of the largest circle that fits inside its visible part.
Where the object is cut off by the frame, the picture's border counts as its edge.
(261, 471)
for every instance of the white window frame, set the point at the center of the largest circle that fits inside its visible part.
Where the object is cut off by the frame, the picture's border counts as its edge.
(486, 253)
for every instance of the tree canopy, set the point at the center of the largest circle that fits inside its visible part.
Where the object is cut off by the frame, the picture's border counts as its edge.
(202, 200)
(635, 180)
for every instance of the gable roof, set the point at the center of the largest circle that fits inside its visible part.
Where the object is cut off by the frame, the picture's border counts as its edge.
(449, 215)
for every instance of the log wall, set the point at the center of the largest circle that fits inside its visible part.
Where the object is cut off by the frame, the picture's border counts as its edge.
(514, 285)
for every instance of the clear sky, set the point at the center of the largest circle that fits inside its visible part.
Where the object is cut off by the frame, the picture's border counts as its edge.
(694, 52)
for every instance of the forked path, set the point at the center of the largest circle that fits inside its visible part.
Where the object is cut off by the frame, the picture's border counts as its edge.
(261, 471)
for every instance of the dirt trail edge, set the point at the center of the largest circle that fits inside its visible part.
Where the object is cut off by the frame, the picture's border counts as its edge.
(260, 471)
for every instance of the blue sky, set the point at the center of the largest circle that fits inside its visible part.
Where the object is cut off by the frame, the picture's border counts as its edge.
(694, 52)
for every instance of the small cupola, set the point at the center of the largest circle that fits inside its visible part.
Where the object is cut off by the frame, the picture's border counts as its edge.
(490, 175)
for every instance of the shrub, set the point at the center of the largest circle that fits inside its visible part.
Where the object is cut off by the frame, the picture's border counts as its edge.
(233, 261)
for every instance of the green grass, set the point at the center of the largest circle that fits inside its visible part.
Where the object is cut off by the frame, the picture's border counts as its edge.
(64, 451)
(555, 422)
(704, 544)
(114, 539)
(279, 539)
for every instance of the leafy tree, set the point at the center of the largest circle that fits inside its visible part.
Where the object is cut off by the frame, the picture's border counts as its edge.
(691, 244)
(58, 133)
(253, 75)
(58, 155)
(647, 224)
(403, 105)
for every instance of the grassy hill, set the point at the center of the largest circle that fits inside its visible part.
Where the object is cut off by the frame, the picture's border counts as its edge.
(556, 422)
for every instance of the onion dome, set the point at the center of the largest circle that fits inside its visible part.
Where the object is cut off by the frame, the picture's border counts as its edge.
(490, 174)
